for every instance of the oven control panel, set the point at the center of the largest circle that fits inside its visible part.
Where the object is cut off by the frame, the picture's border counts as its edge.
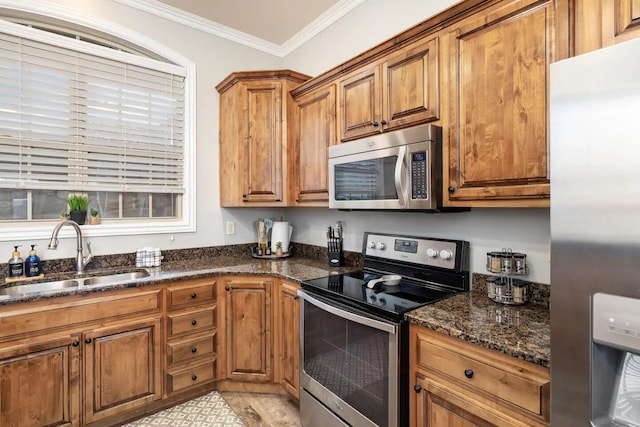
(417, 250)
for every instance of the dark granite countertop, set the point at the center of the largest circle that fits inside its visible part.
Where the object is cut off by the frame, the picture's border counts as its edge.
(295, 269)
(519, 331)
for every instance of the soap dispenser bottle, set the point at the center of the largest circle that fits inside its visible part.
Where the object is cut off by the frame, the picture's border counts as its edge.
(32, 263)
(16, 266)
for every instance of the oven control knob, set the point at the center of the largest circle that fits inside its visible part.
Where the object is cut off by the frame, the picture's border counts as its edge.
(372, 244)
(445, 254)
(381, 246)
(432, 253)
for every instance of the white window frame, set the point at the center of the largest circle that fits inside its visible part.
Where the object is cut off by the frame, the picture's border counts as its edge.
(21, 231)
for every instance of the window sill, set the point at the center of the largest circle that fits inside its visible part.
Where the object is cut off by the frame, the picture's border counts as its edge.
(23, 232)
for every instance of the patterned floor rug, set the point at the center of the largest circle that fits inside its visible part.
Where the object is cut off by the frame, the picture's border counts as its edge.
(210, 410)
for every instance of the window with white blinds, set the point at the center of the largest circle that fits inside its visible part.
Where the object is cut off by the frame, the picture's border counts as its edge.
(81, 117)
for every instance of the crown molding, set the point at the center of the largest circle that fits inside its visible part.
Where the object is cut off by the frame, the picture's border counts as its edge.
(318, 25)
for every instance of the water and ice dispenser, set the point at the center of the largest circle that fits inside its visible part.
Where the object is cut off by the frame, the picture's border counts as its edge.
(615, 361)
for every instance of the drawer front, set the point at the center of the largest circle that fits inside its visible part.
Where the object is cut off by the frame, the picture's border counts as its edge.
(192, 321)
(192, 295)
(192, 377)
(521, 391)
(190, 349)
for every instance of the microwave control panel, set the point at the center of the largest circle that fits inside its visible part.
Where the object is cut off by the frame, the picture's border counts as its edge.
(419, 179)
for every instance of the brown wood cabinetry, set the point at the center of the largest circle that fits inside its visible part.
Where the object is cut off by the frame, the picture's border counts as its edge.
(123, 368)
(462, 384)
(314, 127)
(39, 382)
(191, 334)
(497, 144)
(397, 91)
(604, 23)
(255, 110)
(103, 351)
(287, 338)
(248, 328)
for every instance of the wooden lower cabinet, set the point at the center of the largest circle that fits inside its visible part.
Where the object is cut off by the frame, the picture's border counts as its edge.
(248, 328)
(455, 383)
(287, 338)
(123, 368)
(39, 382)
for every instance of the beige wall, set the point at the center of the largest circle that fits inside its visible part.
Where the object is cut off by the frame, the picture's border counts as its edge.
(372, 22)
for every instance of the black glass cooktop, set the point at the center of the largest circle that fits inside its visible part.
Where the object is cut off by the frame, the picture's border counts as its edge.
(388, 301)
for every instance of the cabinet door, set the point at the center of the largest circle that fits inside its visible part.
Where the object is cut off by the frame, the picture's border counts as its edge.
(248, 329)
(315, 124)
(498, 147)
(287, 340)
(39, 383)
(360, 104)
(620, 21)
(122, 368)
(410, 86)
(434, 411)
(261, 156)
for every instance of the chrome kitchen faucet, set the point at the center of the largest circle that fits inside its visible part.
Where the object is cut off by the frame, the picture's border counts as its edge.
(81, 260)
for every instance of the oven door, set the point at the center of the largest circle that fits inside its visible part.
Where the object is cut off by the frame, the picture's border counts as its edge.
(349, 366)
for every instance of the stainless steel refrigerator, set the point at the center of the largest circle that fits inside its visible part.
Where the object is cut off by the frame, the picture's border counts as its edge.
(595, 238)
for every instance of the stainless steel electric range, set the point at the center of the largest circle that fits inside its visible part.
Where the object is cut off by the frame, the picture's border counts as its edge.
(354, 341)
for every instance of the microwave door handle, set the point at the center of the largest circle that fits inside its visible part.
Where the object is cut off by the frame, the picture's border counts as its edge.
(400, 177)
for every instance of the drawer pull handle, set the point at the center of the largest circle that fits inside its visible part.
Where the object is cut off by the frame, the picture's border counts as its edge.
(468, 373)
(417, 388)
(194, 377)
(194, 295)
(75, 343)
(193, 350)
(194, 322)
(88, 341)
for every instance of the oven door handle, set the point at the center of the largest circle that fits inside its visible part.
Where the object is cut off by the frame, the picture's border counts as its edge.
(400, 177)
(340, 312)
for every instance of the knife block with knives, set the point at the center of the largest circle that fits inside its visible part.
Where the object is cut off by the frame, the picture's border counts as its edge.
(334, 246)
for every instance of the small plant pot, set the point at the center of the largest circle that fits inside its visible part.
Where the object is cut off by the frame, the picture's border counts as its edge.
(93, 220)
(78, 216)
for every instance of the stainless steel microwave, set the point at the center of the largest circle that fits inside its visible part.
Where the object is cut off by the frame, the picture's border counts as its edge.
(400, 170)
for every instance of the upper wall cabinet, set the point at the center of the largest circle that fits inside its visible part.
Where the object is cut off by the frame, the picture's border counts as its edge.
(399, 91)
(604, 23)
(497, 145)
(314, 127)
(255, 108)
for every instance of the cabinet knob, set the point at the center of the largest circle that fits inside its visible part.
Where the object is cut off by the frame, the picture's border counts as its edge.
(226, 288)
(194, 322)
(417, 388)
(194, 295)
(244, 196)
(296, 297)
(88, 341)
(75, 343)
(451, 189)
(278, 200)
(468, 373)
(376, 124)
(383, 122)
(194, 377)
(193, 350)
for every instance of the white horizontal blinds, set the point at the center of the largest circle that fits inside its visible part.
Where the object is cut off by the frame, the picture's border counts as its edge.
(74, 120)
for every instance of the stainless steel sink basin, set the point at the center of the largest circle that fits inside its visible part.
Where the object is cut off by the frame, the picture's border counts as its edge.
(70, 284)
(40, 287)
(114, 278)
